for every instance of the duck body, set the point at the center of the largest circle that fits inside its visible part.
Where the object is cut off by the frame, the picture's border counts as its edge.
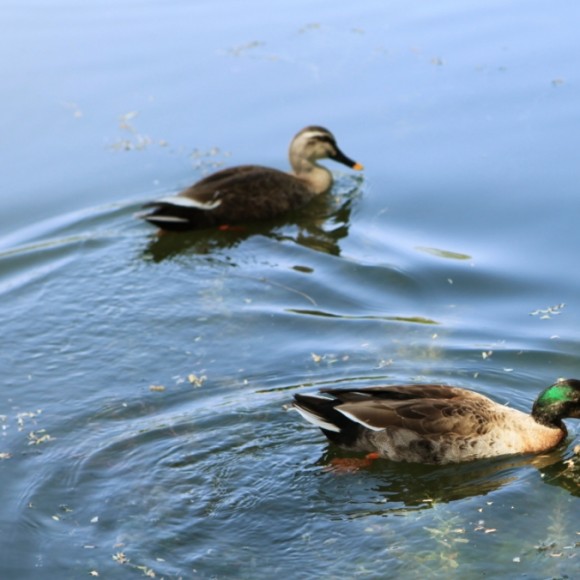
(438, 424)
(249, 193)
(238, 195)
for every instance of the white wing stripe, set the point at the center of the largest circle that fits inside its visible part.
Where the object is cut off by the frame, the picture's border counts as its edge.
(359, 421)
(166, 219)
(182, 201)
(316, 420)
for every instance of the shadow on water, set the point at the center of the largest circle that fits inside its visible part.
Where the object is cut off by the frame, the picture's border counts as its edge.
(406, 485)
(565, 473)
(320, 226)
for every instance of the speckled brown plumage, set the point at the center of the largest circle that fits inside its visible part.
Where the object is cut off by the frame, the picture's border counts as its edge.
(438, 423)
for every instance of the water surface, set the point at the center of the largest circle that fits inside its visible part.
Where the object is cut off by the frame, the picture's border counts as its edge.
(144, 404)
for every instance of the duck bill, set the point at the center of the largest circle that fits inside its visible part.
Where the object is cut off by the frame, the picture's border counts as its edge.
(340, 157)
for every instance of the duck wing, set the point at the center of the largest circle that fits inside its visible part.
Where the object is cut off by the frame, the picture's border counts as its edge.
(427, 410)
(236, 195)
(223, 175)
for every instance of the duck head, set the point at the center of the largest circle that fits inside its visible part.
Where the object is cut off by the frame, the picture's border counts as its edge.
(560, 401)
(314, 143)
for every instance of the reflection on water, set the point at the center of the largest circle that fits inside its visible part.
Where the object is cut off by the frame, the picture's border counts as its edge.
(400, 485)
(412, 319)
(565, 473)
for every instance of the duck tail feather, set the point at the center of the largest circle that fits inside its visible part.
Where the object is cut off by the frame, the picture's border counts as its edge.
(321, 412)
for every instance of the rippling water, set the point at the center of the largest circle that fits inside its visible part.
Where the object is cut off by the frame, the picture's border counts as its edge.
(144, 407)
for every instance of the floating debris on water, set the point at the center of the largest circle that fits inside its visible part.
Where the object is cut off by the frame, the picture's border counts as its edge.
(545, 313)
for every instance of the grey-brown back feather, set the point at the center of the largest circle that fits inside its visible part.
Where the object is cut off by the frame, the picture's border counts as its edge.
(425, 409)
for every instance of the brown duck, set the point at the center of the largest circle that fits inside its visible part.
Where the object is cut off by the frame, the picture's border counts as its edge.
(248, 193)
(439, 424)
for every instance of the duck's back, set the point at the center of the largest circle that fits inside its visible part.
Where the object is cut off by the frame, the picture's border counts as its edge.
(250, 192)
(241, 194)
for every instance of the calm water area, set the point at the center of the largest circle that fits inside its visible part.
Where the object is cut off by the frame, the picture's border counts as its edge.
(145, 421)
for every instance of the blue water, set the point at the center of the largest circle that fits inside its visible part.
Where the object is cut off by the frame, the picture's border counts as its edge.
(144, 408)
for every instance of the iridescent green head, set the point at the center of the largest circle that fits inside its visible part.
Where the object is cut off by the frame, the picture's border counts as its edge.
(560, 401)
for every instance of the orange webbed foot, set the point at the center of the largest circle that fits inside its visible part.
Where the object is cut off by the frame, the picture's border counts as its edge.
(229, 228)
(351, 464)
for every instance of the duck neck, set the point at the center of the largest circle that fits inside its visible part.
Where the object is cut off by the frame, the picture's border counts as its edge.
(548, 416)
(552, 420)
(317, 178)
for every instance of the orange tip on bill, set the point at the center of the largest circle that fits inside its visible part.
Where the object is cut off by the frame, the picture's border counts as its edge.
(358, 166)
